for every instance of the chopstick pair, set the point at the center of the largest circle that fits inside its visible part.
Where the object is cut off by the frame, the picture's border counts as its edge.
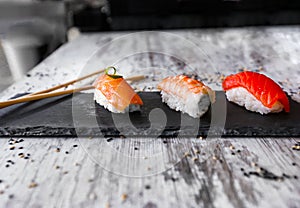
(48, 92)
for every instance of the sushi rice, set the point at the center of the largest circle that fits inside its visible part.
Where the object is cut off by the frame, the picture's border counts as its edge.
(195, 104)
(242, 97)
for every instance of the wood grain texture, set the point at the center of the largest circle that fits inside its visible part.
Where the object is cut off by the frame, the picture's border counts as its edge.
(127, 172)
(214, 180)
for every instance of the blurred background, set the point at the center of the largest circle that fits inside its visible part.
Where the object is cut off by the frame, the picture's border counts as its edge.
(30, 30)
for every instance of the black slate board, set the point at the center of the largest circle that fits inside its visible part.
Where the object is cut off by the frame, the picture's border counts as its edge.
(79, 115)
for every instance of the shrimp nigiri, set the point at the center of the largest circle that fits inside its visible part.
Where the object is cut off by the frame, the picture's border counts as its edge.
(185, 94)
(256, 92)
(115, 94)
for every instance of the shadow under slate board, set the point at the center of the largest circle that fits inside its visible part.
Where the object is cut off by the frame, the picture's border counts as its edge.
(79, 115)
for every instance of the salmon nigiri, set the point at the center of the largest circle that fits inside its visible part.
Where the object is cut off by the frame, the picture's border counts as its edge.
(256, 92)
(115, 94)
(185, 94)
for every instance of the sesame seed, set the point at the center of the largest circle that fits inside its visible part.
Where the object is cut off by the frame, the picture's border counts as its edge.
(10, 161)
(201, 138)
(93, 196)
(110, 139)
(296, 147)
(279, 179)
(260, 68)
(246, 174)
(32, 185)
(57, 150)
(124, 197)
(285, 175)
(174, 179)
(253, 164)
(187, 154)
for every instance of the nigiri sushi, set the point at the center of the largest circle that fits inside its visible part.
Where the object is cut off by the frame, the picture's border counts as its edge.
(185, 94)
(256, 92)
(115, 94)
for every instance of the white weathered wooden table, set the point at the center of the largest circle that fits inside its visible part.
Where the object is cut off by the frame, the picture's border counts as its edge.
(91, 172)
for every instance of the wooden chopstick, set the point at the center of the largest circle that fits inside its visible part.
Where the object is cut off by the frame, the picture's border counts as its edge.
(54, 94)
(42, 96)
(67, 83)
(136, 78)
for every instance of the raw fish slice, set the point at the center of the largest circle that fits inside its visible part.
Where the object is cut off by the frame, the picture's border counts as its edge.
(264, 89)
(116, 91)
(183, 86)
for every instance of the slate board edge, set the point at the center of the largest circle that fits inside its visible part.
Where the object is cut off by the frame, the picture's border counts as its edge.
(71, 132)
